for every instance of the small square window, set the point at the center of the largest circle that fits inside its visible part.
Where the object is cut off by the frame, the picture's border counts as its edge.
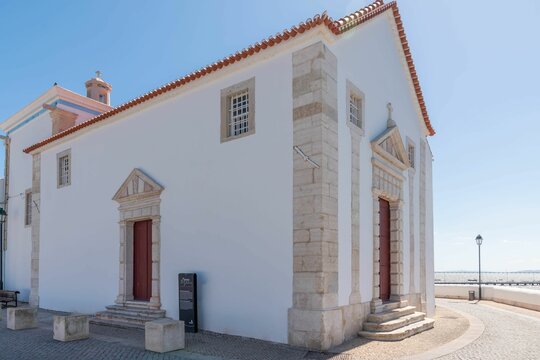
(64, 168)
(238, 110)
(28, 208)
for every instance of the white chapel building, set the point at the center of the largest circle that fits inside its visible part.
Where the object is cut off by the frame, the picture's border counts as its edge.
(293, 177)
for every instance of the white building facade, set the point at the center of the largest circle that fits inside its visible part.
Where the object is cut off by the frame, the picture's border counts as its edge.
(266, 174)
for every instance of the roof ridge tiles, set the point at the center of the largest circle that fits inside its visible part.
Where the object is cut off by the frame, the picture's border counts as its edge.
(337, 27)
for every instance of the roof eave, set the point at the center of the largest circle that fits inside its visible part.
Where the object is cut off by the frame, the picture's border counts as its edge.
(335, 27)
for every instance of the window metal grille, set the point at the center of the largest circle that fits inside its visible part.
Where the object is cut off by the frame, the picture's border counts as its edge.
(64, 170)
(28, 209)
(411, 155)
(238, 120)
(355, 110)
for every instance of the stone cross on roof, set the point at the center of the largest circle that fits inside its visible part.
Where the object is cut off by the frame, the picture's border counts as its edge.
(390, 122)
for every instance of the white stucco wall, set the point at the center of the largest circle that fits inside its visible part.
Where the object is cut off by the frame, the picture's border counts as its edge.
(226, 211)
(371, 59)
(26, 130)
(430, 254)
(17, 255)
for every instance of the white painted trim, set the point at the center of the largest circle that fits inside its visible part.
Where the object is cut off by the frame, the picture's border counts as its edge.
(51, 95)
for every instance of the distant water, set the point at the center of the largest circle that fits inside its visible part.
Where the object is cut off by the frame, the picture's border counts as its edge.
(472, 277)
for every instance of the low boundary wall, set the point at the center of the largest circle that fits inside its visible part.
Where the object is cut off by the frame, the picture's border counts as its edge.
(525, 298)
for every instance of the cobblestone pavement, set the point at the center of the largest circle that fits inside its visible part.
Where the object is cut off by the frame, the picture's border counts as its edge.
(114, 343)
(510, 333)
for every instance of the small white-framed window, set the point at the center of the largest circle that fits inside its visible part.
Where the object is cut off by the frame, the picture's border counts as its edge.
(238, 110)
(28, 207)
(355, 107)
(64, 168)
(411, 154)
(355, 110)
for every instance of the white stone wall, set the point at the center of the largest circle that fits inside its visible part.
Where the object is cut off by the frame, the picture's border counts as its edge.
(17, 256)
(17, 269)
(430, 257)
(371, 60)
(226, 208)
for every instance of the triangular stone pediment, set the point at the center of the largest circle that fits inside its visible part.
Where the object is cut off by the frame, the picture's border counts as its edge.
(390, 147)
(137, 185)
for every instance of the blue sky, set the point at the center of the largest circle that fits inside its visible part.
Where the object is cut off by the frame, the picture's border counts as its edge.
(478, 63)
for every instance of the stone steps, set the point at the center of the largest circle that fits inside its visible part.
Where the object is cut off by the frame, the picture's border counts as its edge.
(400, 333)
(127, 316)
(394, 324)
(390, 314)
(131, 311)
(136, 304)
(394, 321)
(384, 307)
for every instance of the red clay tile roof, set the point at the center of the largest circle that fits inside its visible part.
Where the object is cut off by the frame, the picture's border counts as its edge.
(336, 27)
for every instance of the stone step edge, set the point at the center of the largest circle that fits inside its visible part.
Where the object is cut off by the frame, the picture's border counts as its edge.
(116, 324)
(389, 306)
(135, 312)
(135, 307)
(401, 333)
(138, 304)
(113, 315)
(394, 323)
(391, 314)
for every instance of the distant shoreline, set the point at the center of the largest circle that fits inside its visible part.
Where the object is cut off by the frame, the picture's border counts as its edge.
(500, 272)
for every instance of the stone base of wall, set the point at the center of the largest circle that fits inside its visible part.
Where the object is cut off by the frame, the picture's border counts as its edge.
(353, 317)
(415, 300)
(316, 329)
(323, 329)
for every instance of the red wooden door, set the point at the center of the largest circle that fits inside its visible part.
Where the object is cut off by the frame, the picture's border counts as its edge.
(142, 260)
(384, 249)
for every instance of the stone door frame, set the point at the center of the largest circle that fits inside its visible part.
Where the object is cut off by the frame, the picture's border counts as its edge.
(139, 199)
(388, 163)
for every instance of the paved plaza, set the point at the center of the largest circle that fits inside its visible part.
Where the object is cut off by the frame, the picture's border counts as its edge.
(502, 332)
(510, 333)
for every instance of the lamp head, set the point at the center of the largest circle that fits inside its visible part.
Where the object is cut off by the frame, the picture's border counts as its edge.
(479, 240)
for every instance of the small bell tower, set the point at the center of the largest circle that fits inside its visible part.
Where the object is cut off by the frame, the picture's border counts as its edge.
(98, 89)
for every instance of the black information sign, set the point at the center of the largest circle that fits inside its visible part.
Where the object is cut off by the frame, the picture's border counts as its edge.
(187, 289)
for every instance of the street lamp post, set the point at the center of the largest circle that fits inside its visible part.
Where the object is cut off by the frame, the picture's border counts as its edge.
(479, 242)
(2, 220)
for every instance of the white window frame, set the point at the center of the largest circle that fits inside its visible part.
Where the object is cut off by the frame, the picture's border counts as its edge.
(354, 92)
(59, 158)
(229, 117)
(28, 208)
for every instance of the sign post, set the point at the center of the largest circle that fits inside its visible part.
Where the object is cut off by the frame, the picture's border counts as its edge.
(187, 295)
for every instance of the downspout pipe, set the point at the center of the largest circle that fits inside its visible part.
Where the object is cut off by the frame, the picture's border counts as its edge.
(3, 227)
